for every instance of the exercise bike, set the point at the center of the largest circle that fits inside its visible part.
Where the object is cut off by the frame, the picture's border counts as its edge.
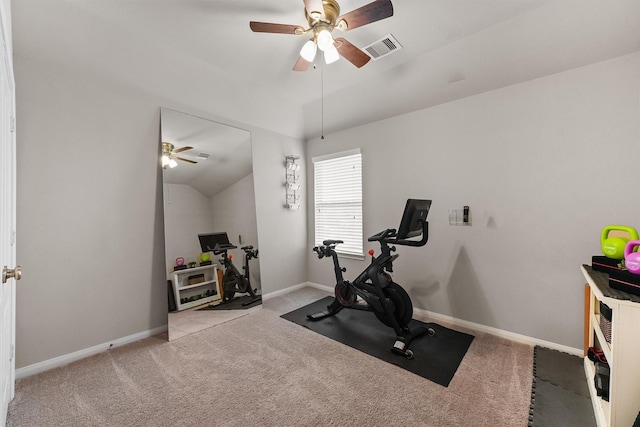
(377, 291)
(232, 281)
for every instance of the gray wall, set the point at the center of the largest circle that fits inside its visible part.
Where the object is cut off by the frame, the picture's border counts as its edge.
(539, 164)
(544, 166)
(234, 211)
(187, 212)
(90, 214)
(282, 234)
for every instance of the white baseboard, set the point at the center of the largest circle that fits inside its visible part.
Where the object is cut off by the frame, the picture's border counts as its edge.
(56, 362)
(425, 315)
(328, 289)
(284, 291)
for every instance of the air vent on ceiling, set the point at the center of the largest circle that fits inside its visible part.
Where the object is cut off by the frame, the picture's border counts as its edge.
(203, 156)
(383, 47)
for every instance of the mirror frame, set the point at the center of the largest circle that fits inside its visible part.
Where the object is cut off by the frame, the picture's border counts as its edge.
(227, 150)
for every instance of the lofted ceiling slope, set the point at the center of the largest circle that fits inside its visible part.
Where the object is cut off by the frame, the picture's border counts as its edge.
(202, 53)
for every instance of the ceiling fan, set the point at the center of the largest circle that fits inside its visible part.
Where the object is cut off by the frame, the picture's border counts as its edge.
(169, 156)
(323, 17)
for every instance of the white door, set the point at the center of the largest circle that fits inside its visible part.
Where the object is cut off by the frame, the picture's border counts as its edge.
(7, 215)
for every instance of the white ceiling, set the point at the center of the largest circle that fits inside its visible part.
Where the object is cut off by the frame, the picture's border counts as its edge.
(189, 50)
(229, 151)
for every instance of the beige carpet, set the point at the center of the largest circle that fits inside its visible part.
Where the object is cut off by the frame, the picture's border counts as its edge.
(263, 370)
(183, 323)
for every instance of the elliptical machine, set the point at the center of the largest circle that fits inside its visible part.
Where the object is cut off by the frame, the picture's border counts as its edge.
(388, 301)
(232, 281)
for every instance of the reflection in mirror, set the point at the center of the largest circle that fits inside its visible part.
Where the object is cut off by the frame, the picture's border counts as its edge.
(211, 237)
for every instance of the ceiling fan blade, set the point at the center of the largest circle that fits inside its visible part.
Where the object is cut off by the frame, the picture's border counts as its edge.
(372, 12)
(180, 150)
(266, 27)
(314, 6)
(301, 64)
(185, 160)
(351, 53)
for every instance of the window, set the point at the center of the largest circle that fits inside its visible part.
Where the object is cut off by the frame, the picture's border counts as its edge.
(338, 200)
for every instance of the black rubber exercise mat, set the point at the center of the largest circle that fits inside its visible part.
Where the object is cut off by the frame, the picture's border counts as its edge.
(559, 391)
(436, 358)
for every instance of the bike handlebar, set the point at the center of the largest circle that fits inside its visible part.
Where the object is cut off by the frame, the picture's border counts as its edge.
(389, 232)
(218, 249)
(421, 242)
(384, 237)
(389, 236)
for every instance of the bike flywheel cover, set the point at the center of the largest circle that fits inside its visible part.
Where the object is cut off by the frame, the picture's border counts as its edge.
(345, 295)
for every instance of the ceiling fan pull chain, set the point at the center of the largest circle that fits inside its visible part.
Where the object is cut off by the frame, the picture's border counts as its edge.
(322, 101)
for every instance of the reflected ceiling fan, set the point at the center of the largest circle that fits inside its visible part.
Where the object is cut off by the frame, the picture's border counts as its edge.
(323, 17)
(169, 156)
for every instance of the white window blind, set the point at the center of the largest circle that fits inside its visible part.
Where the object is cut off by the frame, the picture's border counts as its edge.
(338, 201)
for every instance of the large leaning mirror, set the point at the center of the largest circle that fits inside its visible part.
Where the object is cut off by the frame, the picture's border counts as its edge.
(211, 236)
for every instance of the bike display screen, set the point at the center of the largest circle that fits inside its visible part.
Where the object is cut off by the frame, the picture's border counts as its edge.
(208, 241)
(415, 212)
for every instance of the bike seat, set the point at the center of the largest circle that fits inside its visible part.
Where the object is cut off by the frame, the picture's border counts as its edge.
(247, 248)
(331, 242)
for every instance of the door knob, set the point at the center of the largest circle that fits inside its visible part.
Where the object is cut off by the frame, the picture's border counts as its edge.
(8, 273)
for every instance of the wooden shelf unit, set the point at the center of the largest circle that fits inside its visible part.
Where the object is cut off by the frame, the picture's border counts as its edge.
(182, 289)
(622, 353)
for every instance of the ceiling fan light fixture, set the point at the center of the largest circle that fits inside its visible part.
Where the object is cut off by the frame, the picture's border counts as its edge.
(331, 55)
(308, 51)
(324, 39)
(172, 163)
(167, 148)
(323, 16)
